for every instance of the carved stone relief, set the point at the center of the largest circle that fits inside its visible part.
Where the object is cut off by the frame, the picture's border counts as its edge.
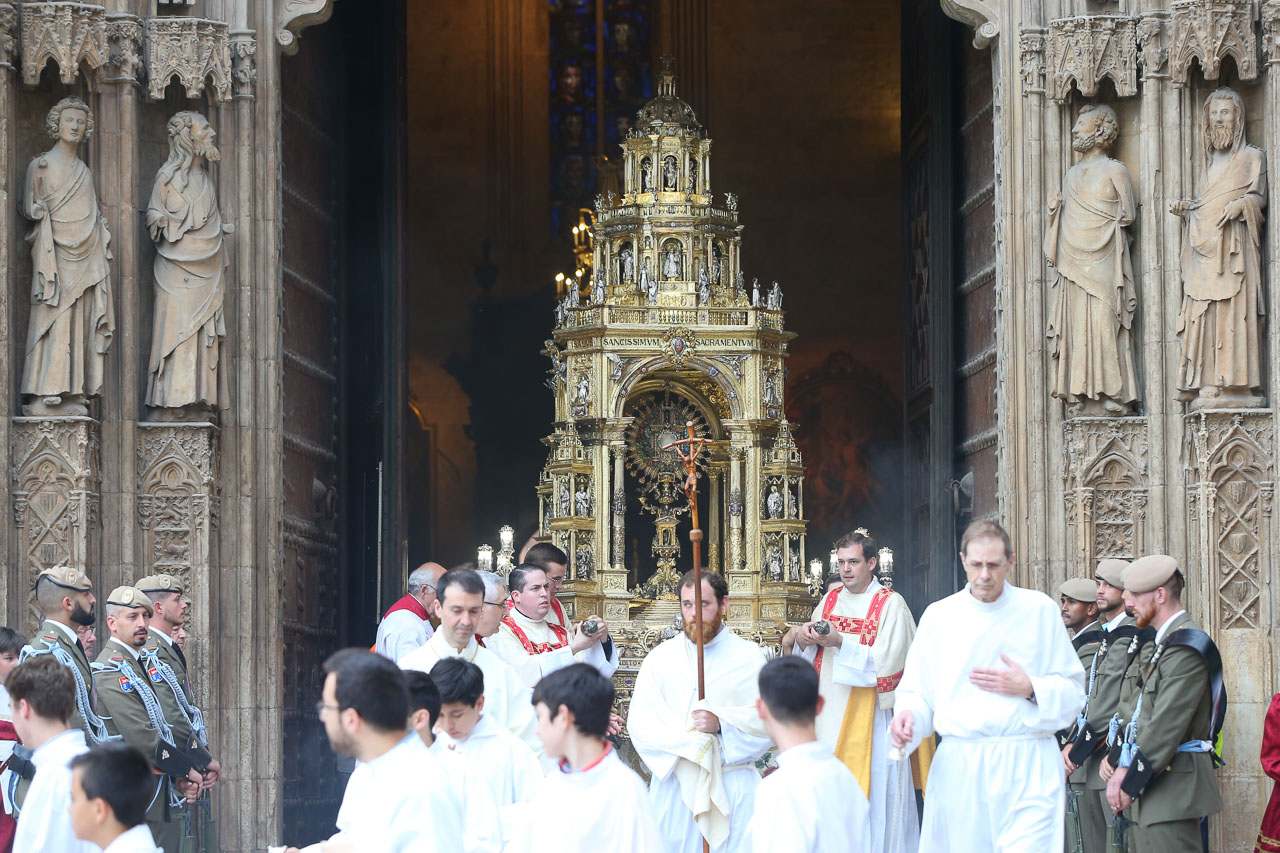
(1031, 52)
(1208, 31)
(982, 15)
(1105, 488)
(56, 492)
(65, 33)
(1230, 487)
(1088, 49)
(244, 63)
(296, 15)
(8, 35)
(124, 41)
(195, 50)
(1153, 51)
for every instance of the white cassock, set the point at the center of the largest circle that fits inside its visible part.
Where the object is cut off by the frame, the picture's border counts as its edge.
(136, 840)
(601, 808)
(877, 630)
(482, 831)
(535, 648)
(45, 825)
(400, 632)
(712, 777)
(998, 771)
(500, 761)
(811, 804)
(507, 699)
(403, 800)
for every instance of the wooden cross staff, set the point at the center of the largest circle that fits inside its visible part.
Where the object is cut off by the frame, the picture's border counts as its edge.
(688, 449)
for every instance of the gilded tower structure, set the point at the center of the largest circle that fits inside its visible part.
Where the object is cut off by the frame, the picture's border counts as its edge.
(669, 331)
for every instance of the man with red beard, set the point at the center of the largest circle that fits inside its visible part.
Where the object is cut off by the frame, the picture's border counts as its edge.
(701, 754)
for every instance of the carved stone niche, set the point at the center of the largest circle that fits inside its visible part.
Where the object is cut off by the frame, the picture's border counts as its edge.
(56, 493)
(1209, 31)
(1088, 49)
(1230, 484)
(1105, 480)
(178, 504)
(195, 50)
(66, 33)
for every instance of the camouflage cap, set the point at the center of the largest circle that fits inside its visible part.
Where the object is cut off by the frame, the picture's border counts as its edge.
(159, 583)
(67, 578)
(1112, 571)
(128, 596)
(1148, 573)
(1080, 589)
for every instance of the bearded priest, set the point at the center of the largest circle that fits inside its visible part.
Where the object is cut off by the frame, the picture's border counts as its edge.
(858, 641)
(701, 754)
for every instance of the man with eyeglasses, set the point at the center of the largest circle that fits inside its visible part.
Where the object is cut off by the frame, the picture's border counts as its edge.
(460, 607)
(859, 660)
(407, 624)
(993, 673)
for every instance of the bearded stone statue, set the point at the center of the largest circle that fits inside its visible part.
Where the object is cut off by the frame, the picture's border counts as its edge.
(1095, 297)
(72, 312)
(185, 223)
(1220, 322)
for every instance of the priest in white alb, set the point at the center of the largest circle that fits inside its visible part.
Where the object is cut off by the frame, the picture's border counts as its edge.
(993, 673)
(701, 755)
(460, 604)
(859, 659)
(536, 647)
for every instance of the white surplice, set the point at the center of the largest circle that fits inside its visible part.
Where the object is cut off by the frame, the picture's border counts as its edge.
(402, 801)
(498, 759)
(711, 776)
(601, 808)
(811, 804)
(895, 826)
(482, 831)
(401, 632)
(531, 667)
(136, 840)
(506, 697)
(45, 824)
(998, 771)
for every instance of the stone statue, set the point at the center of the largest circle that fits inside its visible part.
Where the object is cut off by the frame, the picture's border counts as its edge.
(184, 221)
(1222, 265)
(646, 175)
(1088, 246)
(775, 297)
(775, 563)
(755, 292)
(773, 504)
(704, 285)
(72, 313)
(628, 265)
(672, 262)
(582, 501)
(583, 389)
(670, 175)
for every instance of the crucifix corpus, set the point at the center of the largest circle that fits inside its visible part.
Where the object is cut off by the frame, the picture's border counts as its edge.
(688, 450)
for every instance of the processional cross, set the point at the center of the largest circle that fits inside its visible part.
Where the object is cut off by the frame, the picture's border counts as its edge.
(688, 449)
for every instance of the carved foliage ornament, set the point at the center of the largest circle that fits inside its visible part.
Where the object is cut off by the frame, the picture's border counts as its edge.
(192, 49)
(1088, 49)
(244, 63)
(66, 33)
(1153, 52)
(1209, 31)
(1031, 50)
(124, 38)
(1271, 31)
(8, 34)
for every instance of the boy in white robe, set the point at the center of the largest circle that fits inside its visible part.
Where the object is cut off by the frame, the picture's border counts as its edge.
(536, 647)
(992, 671)
(482, 831)
(591, 801)
(701, 753)
(812, 803)
(111, 787)
(461, 602)
(495, 757)
(397, 797)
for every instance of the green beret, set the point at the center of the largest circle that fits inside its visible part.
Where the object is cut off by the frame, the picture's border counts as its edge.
(159, 583)
(67, 577)
(128, 596)
(1112, 570)
(1080, 589)
(1148, 573)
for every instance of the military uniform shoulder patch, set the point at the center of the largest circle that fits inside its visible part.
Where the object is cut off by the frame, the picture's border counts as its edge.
(125, 684)
(155, 675)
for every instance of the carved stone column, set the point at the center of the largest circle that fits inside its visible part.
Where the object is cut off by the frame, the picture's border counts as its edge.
(178, 506)
(713, 507)
(57, 484)
(613, 564)
(13, 594)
